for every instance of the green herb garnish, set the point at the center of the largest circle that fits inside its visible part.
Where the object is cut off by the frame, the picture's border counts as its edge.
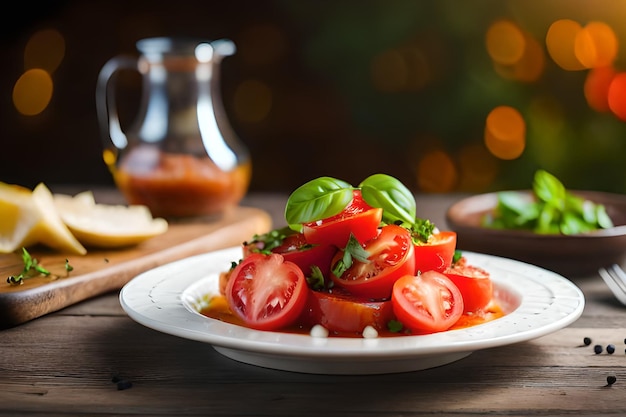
(394, 326)
(31, 269)
(353, 250)
(316, 279)
(551, 209)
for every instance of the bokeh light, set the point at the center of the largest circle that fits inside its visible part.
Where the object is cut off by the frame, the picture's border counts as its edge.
(45, 49)
(516, 55)
(32, 92)
(561, 40)
(505, 133)
(596, 45)
(43, 53)
(436, 172)
(596, 88)
(505, 42)
(617, 95)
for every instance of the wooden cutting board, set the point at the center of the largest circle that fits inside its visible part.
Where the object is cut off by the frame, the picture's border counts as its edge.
(101, 271)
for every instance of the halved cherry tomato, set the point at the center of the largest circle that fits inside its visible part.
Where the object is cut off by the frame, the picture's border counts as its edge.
(473, 282)
(427, 302)
(437, 253)
(266, 292)
(339, 311)
(296, 249)
(358, 218)
(391, 256)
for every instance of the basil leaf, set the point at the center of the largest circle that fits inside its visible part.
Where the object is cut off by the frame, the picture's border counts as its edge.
(317, 199)
(386, 192)
(548, 188)
(352, 251)
(553, 210)
(604, 221)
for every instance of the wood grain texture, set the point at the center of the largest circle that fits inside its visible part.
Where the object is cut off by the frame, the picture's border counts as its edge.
(64, 364)
(100, 271)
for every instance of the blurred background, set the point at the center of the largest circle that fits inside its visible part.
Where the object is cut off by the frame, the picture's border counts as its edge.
(445, 95)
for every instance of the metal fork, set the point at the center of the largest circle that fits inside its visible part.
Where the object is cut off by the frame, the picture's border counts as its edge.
(615, 278)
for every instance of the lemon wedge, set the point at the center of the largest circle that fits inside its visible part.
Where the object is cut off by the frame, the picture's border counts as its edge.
(104, 225)
(18, 217)
(29, 217)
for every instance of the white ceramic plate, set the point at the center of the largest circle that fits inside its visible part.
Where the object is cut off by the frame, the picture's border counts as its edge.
(168, 298)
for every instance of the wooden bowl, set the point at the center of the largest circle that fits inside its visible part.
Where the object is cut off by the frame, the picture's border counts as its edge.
(573, 255)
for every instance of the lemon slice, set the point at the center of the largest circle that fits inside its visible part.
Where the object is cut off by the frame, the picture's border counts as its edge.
(29, 217)
(18, 217)
(104, 225)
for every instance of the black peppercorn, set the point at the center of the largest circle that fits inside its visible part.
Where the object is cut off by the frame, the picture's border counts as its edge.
(597, 349)
(610, 348)
(610, 380)
(124, 384)
(587, 341)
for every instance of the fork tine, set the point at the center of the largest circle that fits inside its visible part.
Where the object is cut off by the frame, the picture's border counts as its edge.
(615, 279)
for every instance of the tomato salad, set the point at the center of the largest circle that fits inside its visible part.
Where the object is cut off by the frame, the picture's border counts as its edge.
(354, 262)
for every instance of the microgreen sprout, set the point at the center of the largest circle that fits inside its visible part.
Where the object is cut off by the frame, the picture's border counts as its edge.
(31, 269)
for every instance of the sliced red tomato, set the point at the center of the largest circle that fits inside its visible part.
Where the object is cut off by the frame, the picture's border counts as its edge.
(295, 248)
(266, 292)
(391, 256)
(339, 311)
(427, 302)
(358, 218)
(474, 283)
(437, 253)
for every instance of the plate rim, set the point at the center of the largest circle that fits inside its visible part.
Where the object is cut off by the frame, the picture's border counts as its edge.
(165, 295)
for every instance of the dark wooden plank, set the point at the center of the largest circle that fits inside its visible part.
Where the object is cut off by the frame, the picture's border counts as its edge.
(174, 376)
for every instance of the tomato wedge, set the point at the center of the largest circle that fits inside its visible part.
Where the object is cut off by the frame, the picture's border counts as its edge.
(427, 302)
(340, 312)
(391, 256)
(358, 218)
(437, 253)
(474, 283)
(266, 292)
(295, 248)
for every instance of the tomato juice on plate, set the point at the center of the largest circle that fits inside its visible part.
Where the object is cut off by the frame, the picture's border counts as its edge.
(351, 259)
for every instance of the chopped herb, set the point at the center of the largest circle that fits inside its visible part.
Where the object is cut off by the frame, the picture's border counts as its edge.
(316, 279)
(31, 269)
(69, 268)
(457, 256)
(421, 230)
(264, 243)
(394, 326)
(353, 250)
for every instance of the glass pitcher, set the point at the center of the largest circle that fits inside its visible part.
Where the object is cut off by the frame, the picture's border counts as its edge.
(180, 157)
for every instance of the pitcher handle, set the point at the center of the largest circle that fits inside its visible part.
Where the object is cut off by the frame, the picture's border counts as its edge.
(108, 119)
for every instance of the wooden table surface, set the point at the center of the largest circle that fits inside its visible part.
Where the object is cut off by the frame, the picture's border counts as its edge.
(92, 359)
